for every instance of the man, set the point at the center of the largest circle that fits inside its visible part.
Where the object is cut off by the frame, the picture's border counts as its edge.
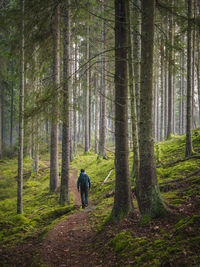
(84, 183)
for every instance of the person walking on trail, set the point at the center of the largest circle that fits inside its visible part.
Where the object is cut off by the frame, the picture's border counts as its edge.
(83, 183)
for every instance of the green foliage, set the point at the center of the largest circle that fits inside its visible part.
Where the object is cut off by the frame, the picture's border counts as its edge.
(41, 209)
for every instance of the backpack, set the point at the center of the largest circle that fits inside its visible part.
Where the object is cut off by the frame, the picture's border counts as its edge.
(84, 180)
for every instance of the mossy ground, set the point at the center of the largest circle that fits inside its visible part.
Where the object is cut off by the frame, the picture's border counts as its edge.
(170, 241)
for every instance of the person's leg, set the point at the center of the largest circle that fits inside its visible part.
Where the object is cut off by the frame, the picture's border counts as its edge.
(86, 197)
(82, 199)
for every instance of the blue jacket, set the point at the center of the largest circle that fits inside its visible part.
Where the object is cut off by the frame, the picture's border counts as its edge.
(83, 185)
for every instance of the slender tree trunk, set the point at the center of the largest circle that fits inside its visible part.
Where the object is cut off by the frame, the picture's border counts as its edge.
(11, 109)
(189, 87)
(64, 189)
(170, 80)
(36, 122)
(147, 190)
(123, 200)
(54, 166)
(2, 115)
(198, 78)
(180, 100)
(136, 52)
(193, 64)
(174, 105)
(135, 169)
(155, 103)
(1, 152)
(90, 95)
(162, 73)
(102, 135)
(21, 118)
(183, 91)
(96, 112)
(75, 104)
(47, 130)
(166, 95)
(87, 98)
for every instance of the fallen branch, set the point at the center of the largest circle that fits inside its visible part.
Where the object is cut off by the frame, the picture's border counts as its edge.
(105, 179)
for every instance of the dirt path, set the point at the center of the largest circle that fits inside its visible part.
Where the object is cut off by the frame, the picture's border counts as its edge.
(69, 243)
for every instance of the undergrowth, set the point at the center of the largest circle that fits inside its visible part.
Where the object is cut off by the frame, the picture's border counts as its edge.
(168, 242)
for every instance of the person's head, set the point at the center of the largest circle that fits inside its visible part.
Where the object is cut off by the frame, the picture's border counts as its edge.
(82, 170)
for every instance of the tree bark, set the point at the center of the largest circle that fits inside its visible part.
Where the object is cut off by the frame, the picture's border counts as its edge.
(136, 52)
(1, 152)
(21, 118)
(162, 73)
(198, 78)
(64, 189)
(11, 108)
(170, 79)
(147, 190)
(87, 97)
(75, 104)
(123, 200)
(102, 134)
(135, 168)
(54, 165)
(96, 112)
(188, 151)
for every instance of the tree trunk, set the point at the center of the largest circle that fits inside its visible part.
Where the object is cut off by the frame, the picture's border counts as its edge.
(180, 100)
(75, 104)
(2, 114)
(136, 52)
(135, 169)
(54, 165)
(147, 190)
(96, 112)
(155, 102)
(1, 154)
(64, 189)
(188, 151)
(170, 79)
(21, 118)
(102, 134)
(162, 73)
(11, 108)
(183, 91)
(193, 64)
(198, 78)
(87, 98)
(123, 200)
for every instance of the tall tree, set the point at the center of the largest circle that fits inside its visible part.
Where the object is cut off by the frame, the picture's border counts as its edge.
(64, 189)
(147, 190)
(75, 101)
(188, 151)
(87, 94)
(102, 129)
(123, 200)
(54, 172)
(136, 51)
(170, 76)
(135, 169)
(21, 118)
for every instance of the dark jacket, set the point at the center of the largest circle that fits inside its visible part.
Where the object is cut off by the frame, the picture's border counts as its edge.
(83, 181)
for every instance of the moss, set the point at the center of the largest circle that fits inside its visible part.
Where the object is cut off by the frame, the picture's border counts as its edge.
(19, 219)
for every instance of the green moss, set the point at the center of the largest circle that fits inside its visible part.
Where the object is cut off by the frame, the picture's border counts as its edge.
(19, 219)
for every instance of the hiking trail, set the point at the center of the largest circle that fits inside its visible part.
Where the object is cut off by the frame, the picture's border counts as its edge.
(70, 242)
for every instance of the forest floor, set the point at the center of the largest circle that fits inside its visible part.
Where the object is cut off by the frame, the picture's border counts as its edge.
(48, 235)
(70, 242)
